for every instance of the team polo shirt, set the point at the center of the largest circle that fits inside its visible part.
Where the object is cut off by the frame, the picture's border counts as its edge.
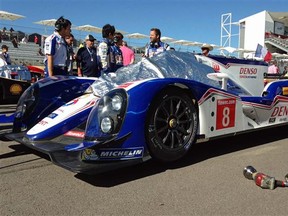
(89, 62)
(56, 46)
(153, 50)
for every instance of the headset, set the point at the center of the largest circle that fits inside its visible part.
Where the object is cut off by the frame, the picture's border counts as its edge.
(61, 23)
(154, 44)
(58, 26)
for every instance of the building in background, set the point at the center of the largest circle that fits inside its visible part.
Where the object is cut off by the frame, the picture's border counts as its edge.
(269, 29)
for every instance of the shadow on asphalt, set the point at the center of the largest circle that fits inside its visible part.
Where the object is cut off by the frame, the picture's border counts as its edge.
(199, 152)
(20, 150)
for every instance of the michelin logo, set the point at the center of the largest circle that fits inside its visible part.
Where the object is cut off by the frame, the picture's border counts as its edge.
(121, 153)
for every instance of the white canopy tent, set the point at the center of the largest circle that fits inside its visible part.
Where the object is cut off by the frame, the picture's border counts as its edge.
(4, 15)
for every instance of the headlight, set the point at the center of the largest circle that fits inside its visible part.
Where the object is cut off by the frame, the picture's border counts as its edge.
(117, 102)
(106, 124)
(107, 116)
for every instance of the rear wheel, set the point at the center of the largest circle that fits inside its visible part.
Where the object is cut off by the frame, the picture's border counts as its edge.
(171, 125)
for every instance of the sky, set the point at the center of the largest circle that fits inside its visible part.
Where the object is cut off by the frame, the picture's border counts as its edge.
(193, 20)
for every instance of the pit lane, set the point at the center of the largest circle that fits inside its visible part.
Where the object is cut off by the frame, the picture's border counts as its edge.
(209, 181)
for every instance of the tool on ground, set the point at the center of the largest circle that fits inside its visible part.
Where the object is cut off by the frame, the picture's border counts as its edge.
(262, 180)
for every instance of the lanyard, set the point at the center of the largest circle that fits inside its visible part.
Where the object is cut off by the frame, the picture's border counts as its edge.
(90, 53)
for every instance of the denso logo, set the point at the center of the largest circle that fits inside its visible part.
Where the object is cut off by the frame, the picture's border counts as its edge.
(248, 70)
(280, 111)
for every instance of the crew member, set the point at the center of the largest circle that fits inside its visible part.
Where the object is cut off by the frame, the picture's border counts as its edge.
(156, 45)
(56, 50)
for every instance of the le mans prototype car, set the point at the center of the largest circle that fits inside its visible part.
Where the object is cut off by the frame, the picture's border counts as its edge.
(156, 108)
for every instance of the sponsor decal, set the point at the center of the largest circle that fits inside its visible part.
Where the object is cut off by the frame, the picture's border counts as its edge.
(248, 73)
(216, 67)
(225, 117)
(16, 89)
(43, 123)
(52, 115)
(72, 102)
(78, 134)
(121, 153)
(112, 154)
(280, 111)
(89, 154)
(125, 85)
(272, 120)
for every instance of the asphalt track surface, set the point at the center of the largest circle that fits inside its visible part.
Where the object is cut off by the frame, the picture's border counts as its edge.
(209, 181)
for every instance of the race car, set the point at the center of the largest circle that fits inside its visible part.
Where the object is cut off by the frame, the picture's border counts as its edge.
(15, 79)
(157, 108)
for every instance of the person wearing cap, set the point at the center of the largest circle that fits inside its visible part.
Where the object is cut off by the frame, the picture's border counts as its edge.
(206, 48)
(5, 55)
(56, 50)
(88, 62)
(105, 49)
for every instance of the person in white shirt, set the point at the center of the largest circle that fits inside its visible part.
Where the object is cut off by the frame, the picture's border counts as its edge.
(5, 55)
(56, 50)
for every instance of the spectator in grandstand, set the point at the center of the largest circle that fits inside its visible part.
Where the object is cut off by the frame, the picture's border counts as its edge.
(285, 71)
(127, 53)
(156, 45)
(5, 55)
(105, 49)
(24, 40)
(88, 62)
(15, 42)
(35, 39)
(71, 55)
(273, 68)
(40, 52)
(55, 49)
(206, 48)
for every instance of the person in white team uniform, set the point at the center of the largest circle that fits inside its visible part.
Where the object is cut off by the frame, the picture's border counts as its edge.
(56, 49)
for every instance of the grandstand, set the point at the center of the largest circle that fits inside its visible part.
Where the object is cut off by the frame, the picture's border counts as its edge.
(26, 53)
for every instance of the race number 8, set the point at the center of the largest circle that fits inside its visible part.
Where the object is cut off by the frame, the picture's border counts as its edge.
(225, 117)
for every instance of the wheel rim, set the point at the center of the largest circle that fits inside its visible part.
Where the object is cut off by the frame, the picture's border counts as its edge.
(173, 123)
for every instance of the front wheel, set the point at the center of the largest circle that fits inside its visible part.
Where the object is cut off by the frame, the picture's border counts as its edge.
(171, 125)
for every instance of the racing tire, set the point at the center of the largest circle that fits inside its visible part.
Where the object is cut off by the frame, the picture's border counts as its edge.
(171, 125)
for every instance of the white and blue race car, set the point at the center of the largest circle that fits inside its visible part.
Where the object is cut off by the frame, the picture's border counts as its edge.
(156, 109)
